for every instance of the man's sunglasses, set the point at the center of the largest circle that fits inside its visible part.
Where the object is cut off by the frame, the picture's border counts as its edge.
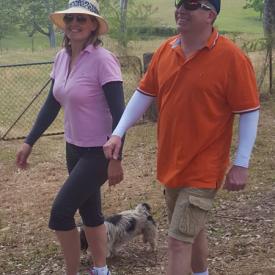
(69, 18)
(191, 5)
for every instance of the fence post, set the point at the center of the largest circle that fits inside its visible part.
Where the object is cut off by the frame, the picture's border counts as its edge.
(152, 112)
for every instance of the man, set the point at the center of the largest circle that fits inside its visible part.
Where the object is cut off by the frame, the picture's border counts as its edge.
(201, 80)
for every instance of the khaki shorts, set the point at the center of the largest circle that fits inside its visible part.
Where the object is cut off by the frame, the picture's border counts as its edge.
(187, 211)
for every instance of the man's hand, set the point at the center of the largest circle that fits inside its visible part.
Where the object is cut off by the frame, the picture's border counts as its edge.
(236, 178)
(115, 172)
(22, 156)
(111, 147)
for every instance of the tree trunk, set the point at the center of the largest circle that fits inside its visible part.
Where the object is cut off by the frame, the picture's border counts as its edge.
(123, 19)
(50, 8)
(269, 30)
(52, 36)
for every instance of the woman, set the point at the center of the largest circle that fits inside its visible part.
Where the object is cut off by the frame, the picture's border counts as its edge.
(86, 82)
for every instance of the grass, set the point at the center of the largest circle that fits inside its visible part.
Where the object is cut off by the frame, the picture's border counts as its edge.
(233, 18)
(240, 227)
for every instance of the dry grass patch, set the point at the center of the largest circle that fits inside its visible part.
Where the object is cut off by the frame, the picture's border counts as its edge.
(241, 232)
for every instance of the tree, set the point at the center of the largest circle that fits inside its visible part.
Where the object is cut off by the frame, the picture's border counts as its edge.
(124, 16)
(34, 17)
(269, 30)
(257, 5)
(8, 16)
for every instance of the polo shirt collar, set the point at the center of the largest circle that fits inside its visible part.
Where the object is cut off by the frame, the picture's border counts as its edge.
(90, 48)
(212, 39)
(209, 44)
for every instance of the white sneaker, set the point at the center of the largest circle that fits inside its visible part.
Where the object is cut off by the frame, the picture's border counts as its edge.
(95, 272)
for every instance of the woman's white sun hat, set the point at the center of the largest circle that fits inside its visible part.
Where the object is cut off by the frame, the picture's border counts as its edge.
(89, 7)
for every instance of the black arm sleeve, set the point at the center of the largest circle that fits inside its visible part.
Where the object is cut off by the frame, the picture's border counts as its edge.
(46, 116)
(115, 98)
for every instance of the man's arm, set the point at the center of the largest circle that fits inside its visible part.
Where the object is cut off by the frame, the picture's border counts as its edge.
(137, 105)
(238, 174)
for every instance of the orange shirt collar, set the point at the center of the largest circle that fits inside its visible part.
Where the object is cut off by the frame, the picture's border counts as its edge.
(209, 44)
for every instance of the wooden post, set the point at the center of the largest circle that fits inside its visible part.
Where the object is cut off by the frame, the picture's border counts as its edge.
(270, 71)
(152, 112)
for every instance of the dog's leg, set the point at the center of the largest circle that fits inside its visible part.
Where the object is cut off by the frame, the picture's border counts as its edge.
(149, 235)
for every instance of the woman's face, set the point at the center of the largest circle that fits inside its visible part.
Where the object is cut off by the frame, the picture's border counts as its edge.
(78, 27)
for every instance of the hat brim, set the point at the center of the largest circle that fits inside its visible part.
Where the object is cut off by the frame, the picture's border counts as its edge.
(57, 18)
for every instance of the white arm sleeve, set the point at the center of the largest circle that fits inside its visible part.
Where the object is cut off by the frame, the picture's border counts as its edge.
(135, 108)
(247, 135)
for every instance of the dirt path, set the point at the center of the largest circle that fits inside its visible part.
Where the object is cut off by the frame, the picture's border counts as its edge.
(241, 226)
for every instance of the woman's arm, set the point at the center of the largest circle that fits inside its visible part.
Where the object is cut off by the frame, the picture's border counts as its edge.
(46, 116)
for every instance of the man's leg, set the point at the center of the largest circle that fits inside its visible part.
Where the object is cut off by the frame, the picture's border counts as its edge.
(179, 252)
(179, 257)
(187, 209)
(200, 253)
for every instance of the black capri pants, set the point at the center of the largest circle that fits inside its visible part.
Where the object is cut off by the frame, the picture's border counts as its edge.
(87, 168)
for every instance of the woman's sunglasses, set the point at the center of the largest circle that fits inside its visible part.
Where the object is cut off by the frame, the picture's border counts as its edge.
(191, 5)
(69, 18)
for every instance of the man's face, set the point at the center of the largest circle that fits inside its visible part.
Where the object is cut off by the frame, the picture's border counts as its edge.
(193, 15)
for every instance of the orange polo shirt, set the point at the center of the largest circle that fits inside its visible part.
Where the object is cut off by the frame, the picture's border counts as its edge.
(197, 99)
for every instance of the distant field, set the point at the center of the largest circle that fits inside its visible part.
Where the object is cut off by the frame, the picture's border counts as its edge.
(233, 18)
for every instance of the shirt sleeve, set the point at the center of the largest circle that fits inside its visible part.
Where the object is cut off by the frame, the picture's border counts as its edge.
(149, 82)
(248, 124)
(52, 74)
(46, 116)
(242, 93)
(115, 99)
(109, 69)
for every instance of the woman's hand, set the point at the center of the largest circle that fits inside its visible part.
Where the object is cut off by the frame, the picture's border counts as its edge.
(22, 156)
(115, 172)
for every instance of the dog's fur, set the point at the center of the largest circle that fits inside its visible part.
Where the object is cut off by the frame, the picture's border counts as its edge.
(124, 226)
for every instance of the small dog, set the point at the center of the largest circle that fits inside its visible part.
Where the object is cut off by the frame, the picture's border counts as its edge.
(124, 226)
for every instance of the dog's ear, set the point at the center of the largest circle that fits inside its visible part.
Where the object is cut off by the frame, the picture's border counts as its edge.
(146, 206)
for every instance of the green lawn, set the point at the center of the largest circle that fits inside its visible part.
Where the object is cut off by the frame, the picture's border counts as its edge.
(233, 18)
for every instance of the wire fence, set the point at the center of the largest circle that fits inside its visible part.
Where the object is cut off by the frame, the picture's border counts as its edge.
(24, 88)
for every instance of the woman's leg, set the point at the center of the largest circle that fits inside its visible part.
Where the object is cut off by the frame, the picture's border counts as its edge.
(70, 244)
(97, 240)
(81, 186)
(92, 217)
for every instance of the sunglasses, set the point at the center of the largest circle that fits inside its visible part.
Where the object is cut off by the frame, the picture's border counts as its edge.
(69, 18)
(191, 5)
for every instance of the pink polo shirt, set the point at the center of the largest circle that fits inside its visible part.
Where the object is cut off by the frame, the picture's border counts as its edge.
(87, 119)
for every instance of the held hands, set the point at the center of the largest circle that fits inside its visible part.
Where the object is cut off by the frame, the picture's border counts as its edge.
(111, 147)
(22, 156)
(236, 178)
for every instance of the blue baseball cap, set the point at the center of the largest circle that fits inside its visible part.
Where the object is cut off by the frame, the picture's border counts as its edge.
(216, 4)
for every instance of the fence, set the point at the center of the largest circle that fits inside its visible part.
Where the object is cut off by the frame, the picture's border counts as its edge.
(24, 88)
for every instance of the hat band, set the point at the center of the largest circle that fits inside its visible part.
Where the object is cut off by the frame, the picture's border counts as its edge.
(84, 4)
